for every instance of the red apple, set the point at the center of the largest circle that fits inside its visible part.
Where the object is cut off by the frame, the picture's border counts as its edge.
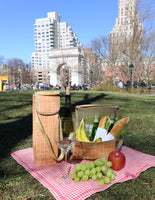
(118, 160)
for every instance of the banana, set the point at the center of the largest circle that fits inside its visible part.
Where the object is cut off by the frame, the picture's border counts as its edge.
(83, 133)
(98, 140)
(78, 132)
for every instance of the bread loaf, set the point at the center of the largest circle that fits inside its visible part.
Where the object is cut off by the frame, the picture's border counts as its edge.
(118, 126)
(102, 122)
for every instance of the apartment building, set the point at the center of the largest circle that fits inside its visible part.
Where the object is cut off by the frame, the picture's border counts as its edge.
(125, 23)
(49, 34)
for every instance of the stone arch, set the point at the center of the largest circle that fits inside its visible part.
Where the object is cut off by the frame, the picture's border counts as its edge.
(63, 75)
(69, 60)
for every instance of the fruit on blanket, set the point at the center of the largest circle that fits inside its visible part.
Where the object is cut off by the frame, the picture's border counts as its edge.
(104, 160)
(99, 175)
(83, 167)
(95, 170)
(77, 179)
(77, 167)
(73, 175)
(103, 168)
(85, 177)
(109, 173)
(109, 164)
(94, 177)
(113, 176)
(101, 182)
(107, 180)
(118, 160)
(80, 174)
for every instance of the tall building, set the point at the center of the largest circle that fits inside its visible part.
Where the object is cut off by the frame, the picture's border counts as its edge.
(127, 23)
(49, 34)
(126, 41)
(126, 11)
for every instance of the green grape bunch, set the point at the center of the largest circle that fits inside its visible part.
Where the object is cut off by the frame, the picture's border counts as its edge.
(97, 170)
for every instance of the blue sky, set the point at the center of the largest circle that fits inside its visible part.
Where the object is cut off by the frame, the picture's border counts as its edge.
(89, 19)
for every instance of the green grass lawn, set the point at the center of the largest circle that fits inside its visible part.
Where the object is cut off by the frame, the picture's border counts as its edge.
(16, 133)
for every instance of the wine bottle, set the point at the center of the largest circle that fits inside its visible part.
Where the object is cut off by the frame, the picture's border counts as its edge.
(95, 126)
(67, 121)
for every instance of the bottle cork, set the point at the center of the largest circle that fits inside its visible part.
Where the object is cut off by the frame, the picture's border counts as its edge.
(67, 90)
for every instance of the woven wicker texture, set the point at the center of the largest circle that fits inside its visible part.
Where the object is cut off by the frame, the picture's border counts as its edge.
(46, 107)
(91, 151)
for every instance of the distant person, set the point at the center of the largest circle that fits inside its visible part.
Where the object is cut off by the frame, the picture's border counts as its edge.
(15, 87)
(120, 84)
(143, 83)
(128, 84)
(135, 84)
(11, 87)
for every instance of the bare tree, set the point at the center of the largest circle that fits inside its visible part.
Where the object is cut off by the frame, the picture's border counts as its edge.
(149, 54)
(20, 73)
(106, 52)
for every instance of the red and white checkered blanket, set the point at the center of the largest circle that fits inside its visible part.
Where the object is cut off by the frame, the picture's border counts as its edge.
(136, 162)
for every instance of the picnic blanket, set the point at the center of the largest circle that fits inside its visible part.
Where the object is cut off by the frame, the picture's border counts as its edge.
(136, 162)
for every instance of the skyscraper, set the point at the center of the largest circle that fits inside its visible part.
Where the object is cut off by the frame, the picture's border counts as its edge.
(126, 41)
(126, 23)
(50, 33)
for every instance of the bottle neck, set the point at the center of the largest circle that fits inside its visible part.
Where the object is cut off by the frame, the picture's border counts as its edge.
(67, 107)
(68, 100)
(67, 90)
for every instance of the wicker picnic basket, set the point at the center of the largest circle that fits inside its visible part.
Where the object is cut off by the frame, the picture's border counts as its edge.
(46, 105)
(93, 150)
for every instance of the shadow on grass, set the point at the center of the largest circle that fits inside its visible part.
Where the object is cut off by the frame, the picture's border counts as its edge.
(13, 132)
(140, 143)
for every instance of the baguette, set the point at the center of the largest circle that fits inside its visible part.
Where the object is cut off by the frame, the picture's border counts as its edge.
(118, 126)
(102, 122)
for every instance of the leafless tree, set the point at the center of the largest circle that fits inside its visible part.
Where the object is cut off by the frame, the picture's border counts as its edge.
(106, 52)
(20, 73)
(149, 54)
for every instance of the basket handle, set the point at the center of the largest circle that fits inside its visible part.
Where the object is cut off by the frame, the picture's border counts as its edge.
(44, 113)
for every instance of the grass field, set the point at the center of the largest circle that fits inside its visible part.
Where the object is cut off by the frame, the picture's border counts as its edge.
(16, 133)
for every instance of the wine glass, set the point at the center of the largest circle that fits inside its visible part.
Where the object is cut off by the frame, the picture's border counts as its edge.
(66, 141)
